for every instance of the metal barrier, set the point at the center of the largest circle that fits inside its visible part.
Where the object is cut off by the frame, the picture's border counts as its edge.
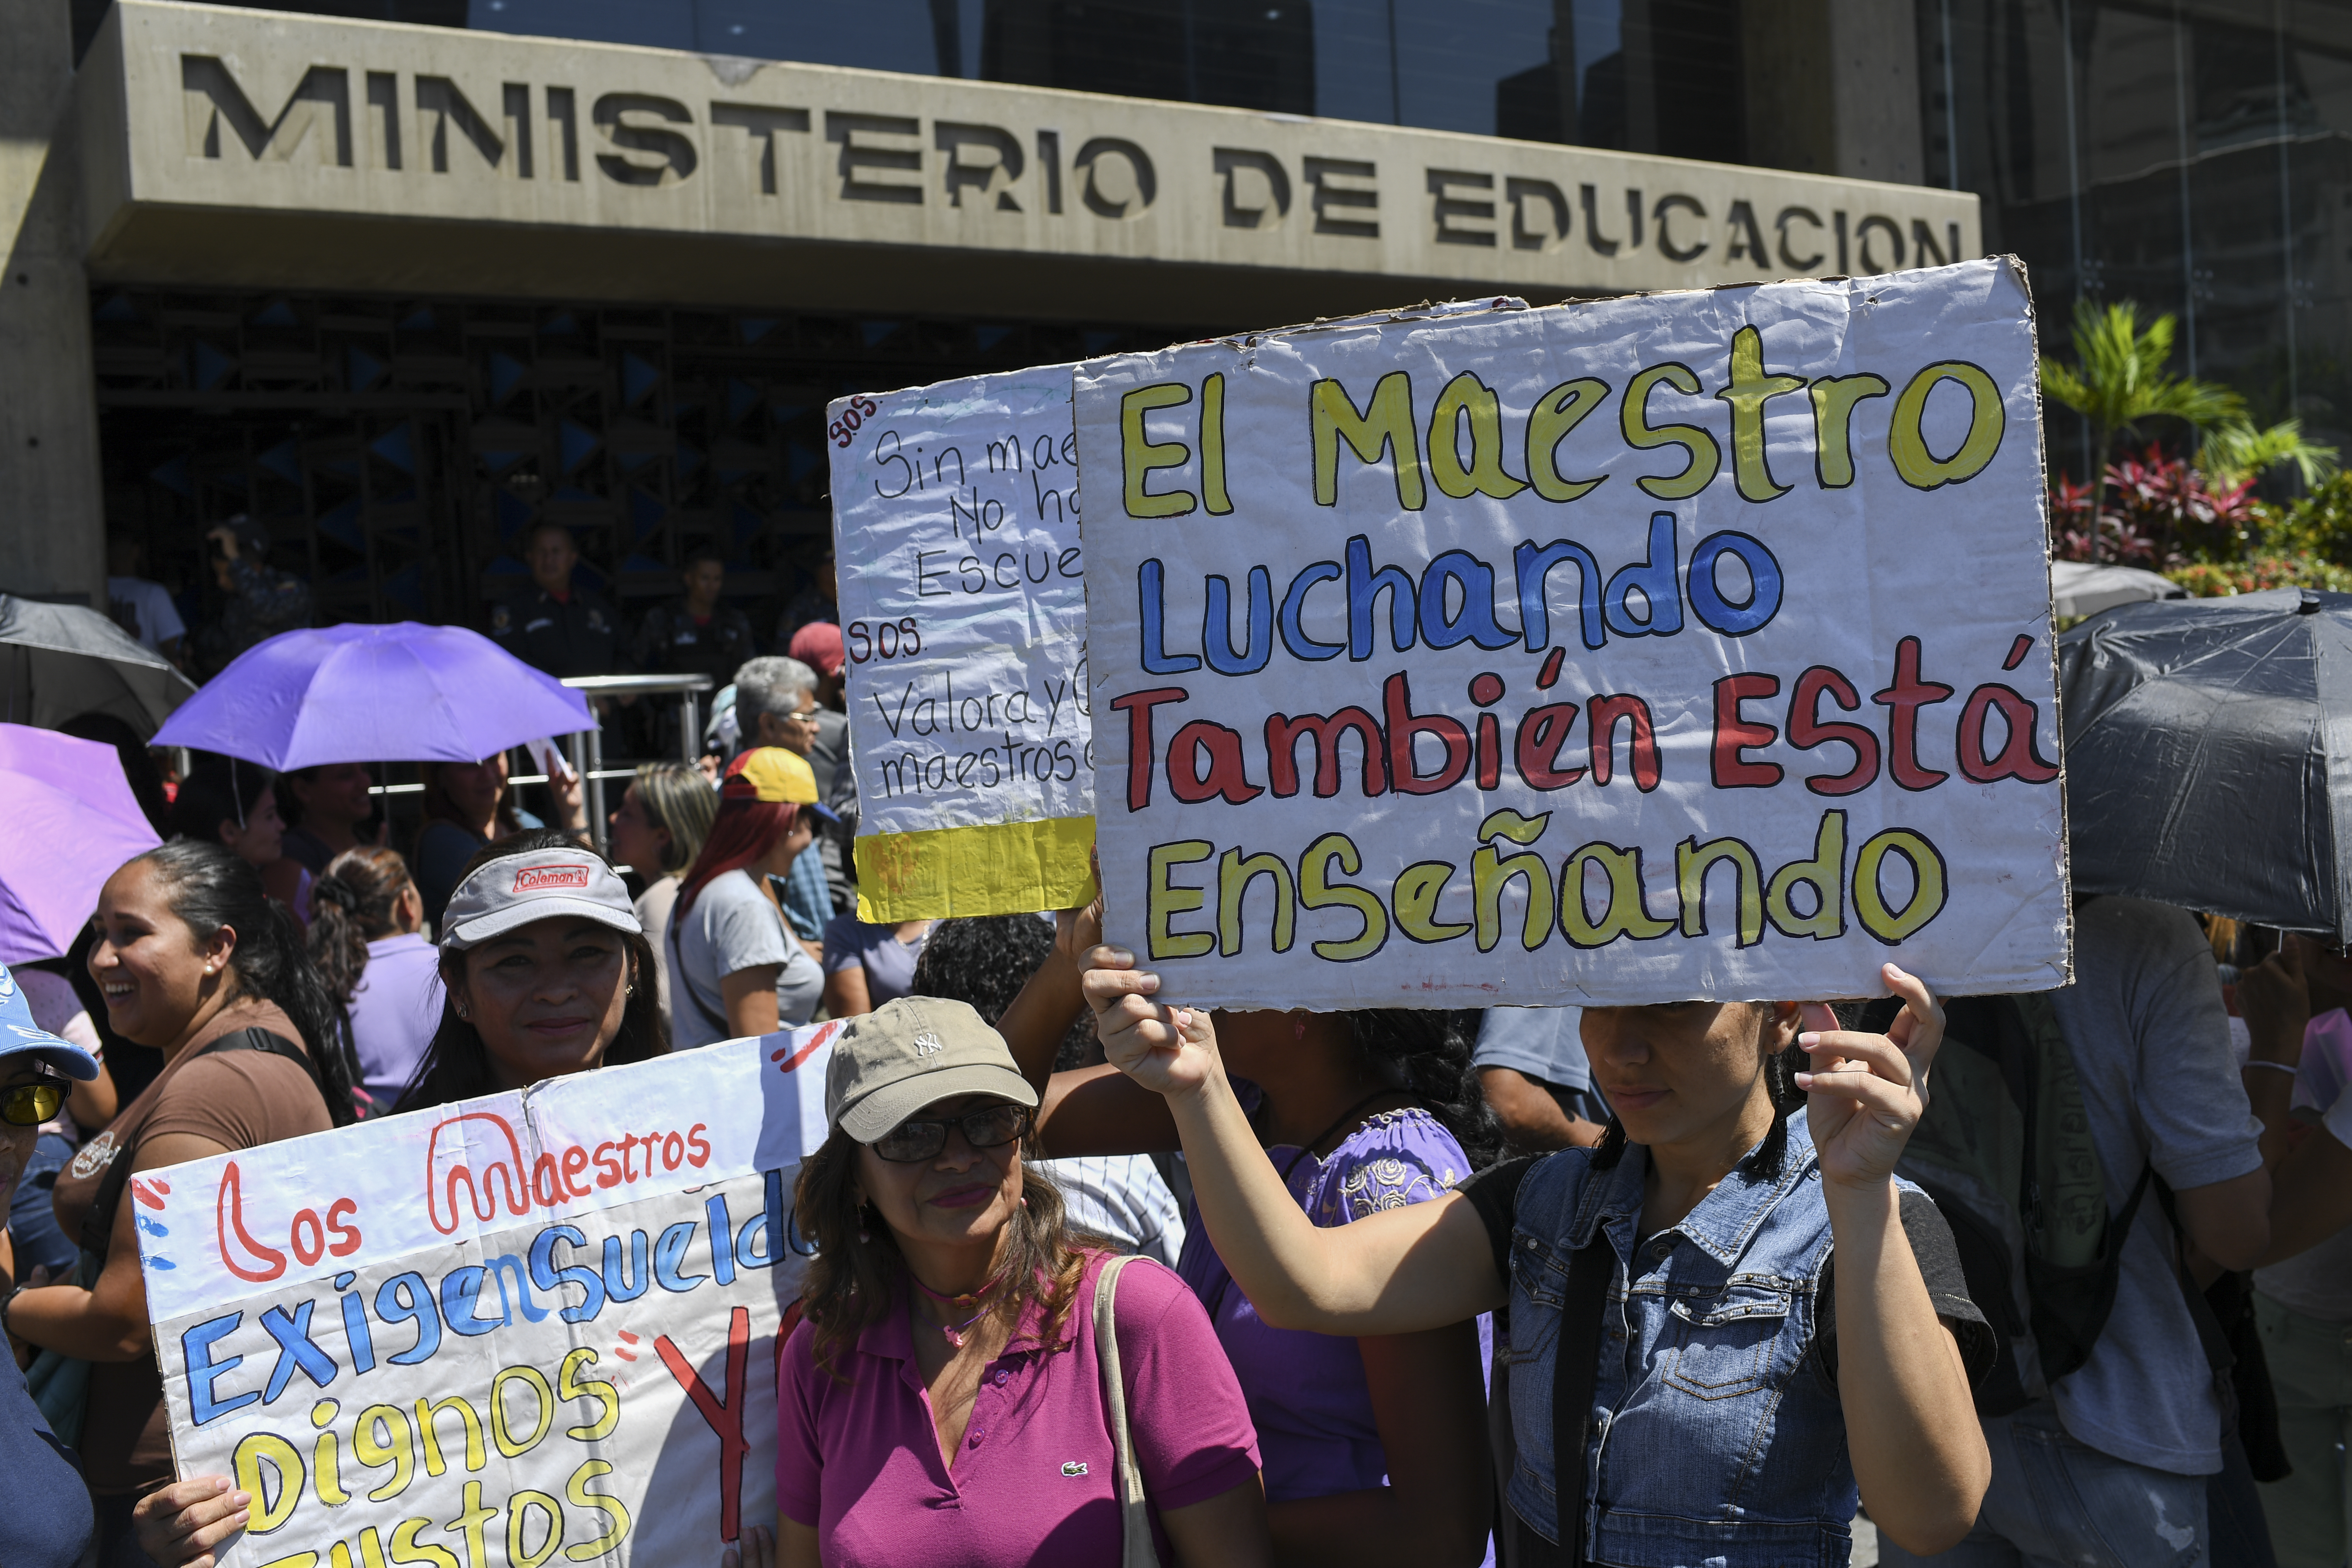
(586, 749)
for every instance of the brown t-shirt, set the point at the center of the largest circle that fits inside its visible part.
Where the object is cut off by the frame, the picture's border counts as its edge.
(239, 1099)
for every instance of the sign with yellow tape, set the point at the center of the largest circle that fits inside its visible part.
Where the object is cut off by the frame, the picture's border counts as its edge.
(964, 625)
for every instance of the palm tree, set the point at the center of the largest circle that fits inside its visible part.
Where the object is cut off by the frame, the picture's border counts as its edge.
(2236, 453)
(2120, 380)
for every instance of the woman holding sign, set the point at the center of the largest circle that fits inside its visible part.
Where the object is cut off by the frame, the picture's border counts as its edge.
(1375, 1446)
(1677, 1280)
(195, 959)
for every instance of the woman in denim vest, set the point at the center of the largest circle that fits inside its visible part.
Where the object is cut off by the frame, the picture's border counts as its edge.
(1744, 1387)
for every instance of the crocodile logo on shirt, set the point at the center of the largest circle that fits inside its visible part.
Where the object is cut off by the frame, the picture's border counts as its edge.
(1074, 1467)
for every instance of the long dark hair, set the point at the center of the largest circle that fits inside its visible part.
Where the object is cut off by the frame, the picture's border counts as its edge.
(856, 1275)
(217, 789)
(457, 1066)
(351, 906)
(1432, 1048)
(212, 889)
(1779, 1083)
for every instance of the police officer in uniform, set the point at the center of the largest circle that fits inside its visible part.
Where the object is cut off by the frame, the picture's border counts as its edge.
(695, 634)
(555, 624)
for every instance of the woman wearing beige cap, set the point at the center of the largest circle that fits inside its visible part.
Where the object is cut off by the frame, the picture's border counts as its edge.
(950, 1395)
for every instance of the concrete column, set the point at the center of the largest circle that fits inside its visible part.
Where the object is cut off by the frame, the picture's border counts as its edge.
(1834, 87)
(52, 514)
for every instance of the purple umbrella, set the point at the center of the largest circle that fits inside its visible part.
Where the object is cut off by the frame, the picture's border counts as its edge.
(72, 821)
(401, 693)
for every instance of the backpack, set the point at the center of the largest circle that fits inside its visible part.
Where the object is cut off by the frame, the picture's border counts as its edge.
(2005, 1150)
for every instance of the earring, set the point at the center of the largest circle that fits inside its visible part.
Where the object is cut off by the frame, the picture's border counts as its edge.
(1298, 1031)
(863, 1234)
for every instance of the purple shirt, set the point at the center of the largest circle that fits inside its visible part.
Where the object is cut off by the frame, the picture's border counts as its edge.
(1306, 1391)
(859, 1458)
(395, 1007)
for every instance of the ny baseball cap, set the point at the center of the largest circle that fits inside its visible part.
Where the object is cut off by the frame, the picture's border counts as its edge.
(916, 1051)
(516, 890)
(773, 775)
(20, 1036)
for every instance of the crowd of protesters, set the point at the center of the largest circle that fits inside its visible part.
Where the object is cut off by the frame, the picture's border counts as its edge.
(1365, 1277)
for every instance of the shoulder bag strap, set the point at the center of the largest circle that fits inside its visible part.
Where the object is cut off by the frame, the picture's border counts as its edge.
(1127, 1485)
(681, 986)
(97, 1223)
(1576, 1368)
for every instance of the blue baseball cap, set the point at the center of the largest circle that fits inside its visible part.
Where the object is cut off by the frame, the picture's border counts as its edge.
(19, 1035)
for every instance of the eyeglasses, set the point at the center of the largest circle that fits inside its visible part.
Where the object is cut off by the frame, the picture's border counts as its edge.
(991, 1127)
(30, 1104)
(807, 715)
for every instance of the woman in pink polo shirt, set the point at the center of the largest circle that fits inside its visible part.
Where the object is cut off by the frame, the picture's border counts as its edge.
(943, 1402)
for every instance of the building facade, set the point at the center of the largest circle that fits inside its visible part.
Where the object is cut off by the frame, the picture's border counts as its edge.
(403, 280)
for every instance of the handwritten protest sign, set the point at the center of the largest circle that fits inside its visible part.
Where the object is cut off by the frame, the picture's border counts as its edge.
(964, 616)
(1691, 645)
(528, 1328)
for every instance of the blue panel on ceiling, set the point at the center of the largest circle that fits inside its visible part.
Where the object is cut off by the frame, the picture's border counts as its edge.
(1097, 342)
(689, 459)
(506, 375)
(348, 468)
(579, 443)
(639, 562)
(742, 397)
(420, 320)
(588, 577)
(747, 523)
(638, 376)
(283, 461)
(117, 310)
(513, 512)
(560, 324)
(786, 410)
(342, 526)
(987, 338)
(172, 476)
(276, 313)
(505, 566)
(362, 370)
(754, 328)
(804, 459)
(645, 512)
(573, 492)
(393, 447)
(210, 366)
(877, 332)
(406, 587)
(632, 461)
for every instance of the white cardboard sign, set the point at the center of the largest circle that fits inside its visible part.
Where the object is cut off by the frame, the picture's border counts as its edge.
(1682, 646)
(530, 1329)
(963, 618)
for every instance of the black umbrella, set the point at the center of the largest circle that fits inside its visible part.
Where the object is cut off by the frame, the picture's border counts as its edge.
(58, 661)
(2209, 755)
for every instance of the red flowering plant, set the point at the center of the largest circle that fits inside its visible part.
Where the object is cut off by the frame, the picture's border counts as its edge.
(2161, 512)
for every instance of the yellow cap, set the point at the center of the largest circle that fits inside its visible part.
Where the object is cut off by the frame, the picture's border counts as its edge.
(775, 775)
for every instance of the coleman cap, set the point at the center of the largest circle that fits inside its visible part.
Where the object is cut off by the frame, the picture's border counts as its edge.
(516, 890)
(916, 1051)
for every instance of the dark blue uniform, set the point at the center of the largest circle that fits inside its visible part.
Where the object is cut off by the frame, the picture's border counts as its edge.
(579, 635)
